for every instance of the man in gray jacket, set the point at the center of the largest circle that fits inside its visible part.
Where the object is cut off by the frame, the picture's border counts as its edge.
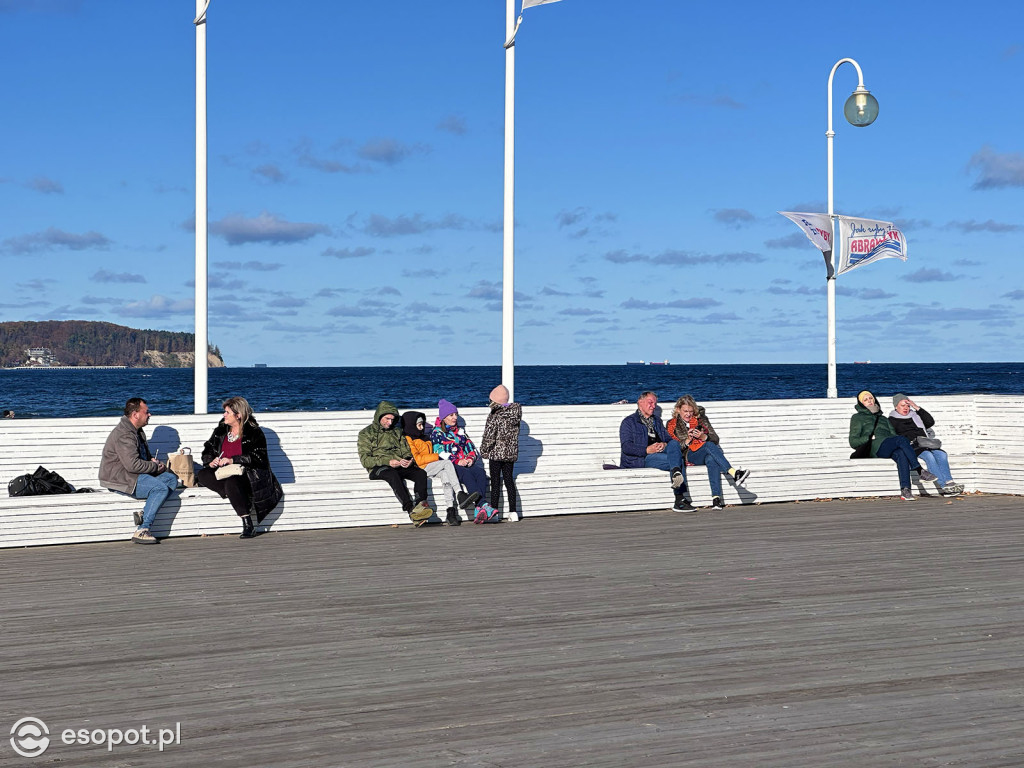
(128, 467)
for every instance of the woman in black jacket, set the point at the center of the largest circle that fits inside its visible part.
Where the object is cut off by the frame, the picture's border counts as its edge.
(913, 422)
(237, 451)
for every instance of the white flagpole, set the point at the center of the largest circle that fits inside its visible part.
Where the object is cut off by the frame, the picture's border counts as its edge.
(508, 251)
(202, 213)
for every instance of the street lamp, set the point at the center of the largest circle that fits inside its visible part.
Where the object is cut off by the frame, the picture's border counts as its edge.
(860, 110)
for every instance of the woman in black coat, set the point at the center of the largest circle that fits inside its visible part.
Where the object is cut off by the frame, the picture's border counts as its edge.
(237, 449)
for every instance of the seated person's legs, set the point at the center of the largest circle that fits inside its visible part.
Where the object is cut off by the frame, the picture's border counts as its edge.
(155, 491)
(474, 478)
(391, 476)
(444, 472)
(658, 461)
(419, 482)
(238, 492)
(669, 459)
(674, 452)
(937, 462)
(893, 448)
(715, 463)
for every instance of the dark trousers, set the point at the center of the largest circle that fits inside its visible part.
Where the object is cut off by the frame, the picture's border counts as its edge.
(501, 471)
(899, 450)
(396, 477)
(473, 477)
(235, 489)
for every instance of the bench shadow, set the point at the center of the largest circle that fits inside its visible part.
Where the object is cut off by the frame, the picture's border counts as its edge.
(282, 465)
(166, 515)
(746, 495)
(165, 440)
(530, 450)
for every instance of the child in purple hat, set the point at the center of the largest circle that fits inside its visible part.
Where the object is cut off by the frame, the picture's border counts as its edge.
(451, 442)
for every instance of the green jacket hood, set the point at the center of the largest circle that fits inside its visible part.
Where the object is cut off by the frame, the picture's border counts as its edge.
(383, 409)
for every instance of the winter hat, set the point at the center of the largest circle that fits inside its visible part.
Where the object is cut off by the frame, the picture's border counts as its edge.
(499, 395)
(898, 398)
(445, 409)
(862, 393)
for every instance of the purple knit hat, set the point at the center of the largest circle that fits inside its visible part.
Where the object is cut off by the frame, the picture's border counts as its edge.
(444, 409)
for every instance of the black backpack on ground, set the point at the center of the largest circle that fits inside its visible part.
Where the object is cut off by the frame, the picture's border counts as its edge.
(39, 483)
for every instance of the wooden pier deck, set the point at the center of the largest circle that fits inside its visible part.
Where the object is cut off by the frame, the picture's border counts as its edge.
(866, 633)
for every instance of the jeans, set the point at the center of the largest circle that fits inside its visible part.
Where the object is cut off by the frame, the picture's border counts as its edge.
(669, 459)
(474, 478)
(898, 449)
(154, 490)
(711, 456)
(937, 462)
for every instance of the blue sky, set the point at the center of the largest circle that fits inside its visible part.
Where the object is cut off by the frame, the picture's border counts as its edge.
(355, 178)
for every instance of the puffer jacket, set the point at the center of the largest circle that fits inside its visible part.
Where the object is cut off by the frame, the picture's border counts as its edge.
(419, 440)
(266, 490)
(378, 446)
(500, 440)
(860, 428)
(452, 443)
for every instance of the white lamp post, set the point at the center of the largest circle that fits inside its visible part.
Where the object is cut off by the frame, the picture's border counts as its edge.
(201, 337)
(860, 110)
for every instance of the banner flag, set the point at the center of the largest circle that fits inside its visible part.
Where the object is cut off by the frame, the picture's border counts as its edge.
(862, 241)
(816, 226)
(531, 3)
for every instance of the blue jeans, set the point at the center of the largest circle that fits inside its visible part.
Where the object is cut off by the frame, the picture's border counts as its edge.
(474, 478)
(937, 462)
(154, 490)
(669, 459)
(898, 449)
(711, 456)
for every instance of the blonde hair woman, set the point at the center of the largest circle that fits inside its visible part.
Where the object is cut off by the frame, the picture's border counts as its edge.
(690, 426)
(238, 441)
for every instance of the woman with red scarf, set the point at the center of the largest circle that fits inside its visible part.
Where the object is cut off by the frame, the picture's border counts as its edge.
(690, 426)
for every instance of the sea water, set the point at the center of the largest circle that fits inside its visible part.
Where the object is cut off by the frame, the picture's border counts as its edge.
(85, 392)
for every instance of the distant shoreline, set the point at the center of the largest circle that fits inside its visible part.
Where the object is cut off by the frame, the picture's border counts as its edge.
(66, 368)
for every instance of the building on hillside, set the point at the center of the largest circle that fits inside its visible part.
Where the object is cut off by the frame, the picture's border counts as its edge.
(40, 356)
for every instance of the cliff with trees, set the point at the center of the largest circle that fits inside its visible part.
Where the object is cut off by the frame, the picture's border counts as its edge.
(83, 342)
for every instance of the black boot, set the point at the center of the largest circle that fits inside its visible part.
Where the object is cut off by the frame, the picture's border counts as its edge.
(467, 501)
(248, 531)
(453, 517)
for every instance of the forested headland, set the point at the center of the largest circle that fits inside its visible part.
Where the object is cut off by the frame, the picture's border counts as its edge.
(85, 342)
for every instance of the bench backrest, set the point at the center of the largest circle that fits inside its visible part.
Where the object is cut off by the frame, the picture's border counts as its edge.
(321, 447)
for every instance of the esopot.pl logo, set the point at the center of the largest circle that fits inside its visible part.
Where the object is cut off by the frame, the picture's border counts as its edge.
(30, 737)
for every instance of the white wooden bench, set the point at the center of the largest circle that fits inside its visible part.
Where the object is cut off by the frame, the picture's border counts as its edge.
(796, 449)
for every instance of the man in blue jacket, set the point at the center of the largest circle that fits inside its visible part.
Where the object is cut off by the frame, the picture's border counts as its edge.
(646, 443)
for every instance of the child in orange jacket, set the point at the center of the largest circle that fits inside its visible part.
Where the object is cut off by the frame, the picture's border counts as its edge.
(413, 426)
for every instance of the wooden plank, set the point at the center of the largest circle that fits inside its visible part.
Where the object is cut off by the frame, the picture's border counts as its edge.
(833, 635)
